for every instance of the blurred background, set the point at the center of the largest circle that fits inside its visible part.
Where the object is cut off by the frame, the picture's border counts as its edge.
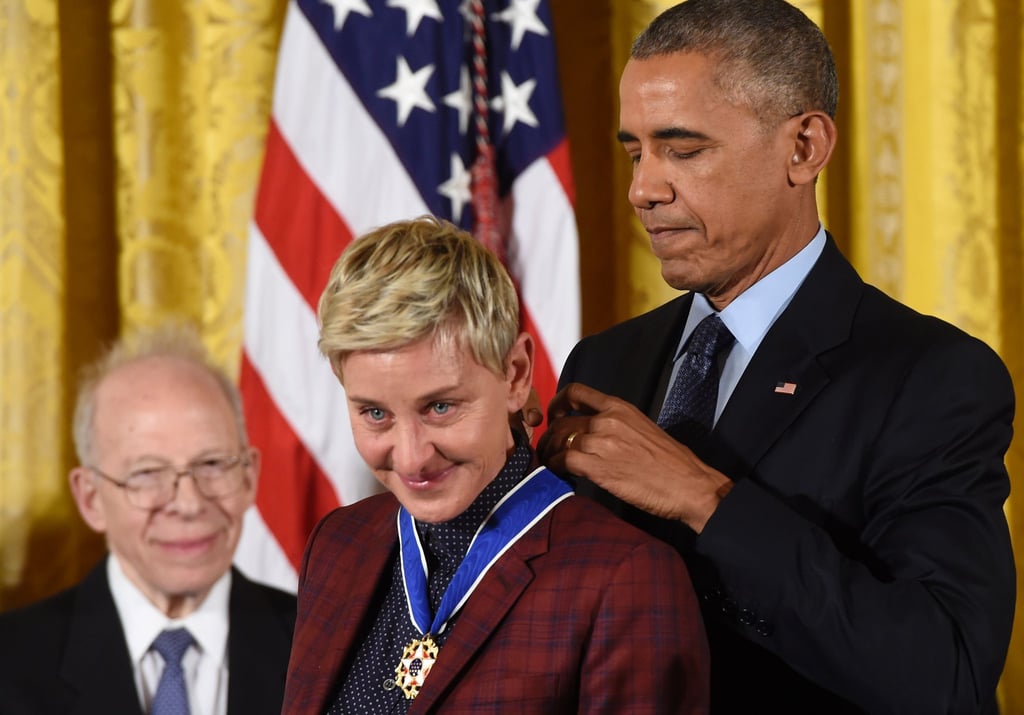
(131, 141)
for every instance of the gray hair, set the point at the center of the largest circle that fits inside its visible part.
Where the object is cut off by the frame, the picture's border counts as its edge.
(771, 57)
(172, 339)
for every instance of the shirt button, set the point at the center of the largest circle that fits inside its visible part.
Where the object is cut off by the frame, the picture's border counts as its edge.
(389, 684)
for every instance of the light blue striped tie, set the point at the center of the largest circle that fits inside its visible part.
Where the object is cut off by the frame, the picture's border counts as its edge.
(171, 694)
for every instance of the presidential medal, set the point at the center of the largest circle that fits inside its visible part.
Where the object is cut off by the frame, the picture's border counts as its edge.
(414, 667)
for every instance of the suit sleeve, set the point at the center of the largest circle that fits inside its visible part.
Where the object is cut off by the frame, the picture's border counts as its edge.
(919, 619)
(648, 651)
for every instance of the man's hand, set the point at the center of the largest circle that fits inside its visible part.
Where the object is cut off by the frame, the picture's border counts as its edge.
(617, 447)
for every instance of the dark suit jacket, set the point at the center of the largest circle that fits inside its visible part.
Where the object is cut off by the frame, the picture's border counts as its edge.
(862, 561)
(67, 654)
(583, 613)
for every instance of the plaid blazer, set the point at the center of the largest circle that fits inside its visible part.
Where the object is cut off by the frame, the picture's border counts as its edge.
(584, 613)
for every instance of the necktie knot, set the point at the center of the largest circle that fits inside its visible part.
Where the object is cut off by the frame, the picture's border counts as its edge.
(708, 339)
(694, 393)
(172, 644)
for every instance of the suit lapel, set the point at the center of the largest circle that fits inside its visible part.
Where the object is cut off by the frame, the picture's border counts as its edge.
(259, 640)
(96, 663)
(497, 593)
(818, 319)
(352, 599)
(639, 376)
(665, 342)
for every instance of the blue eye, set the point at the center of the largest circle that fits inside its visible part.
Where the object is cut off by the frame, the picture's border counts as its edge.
(441, 408)
(374, 413)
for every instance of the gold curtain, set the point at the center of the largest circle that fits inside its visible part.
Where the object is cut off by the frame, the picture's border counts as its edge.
(131, 138)
(32, 276)
(192, 88)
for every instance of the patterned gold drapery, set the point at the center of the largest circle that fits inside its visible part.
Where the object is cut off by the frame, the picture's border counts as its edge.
(192, 85)
(32, 276)
(131, 138)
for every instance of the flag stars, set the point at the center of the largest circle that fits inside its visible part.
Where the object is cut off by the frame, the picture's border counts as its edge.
(522, 16)
(466, 10)
(457, 188)
(415, 11)
(409, 90)
(514, 103)
(342, 8)
(462, 100)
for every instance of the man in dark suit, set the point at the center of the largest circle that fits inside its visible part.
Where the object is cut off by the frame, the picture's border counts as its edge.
(840, 502)
(164, 623)
(479, 583)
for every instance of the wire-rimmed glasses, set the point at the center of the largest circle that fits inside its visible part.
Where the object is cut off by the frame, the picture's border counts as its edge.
(152, 487)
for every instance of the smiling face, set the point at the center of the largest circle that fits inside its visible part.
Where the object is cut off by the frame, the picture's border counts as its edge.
(432, 423)
(712, 185)
(155, 411)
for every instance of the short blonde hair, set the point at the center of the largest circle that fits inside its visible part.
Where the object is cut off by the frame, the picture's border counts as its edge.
(174, 339)
(412, 279)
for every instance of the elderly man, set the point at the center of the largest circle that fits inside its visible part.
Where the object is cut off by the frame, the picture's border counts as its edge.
(163, 624)
(829, 461)
(479, 582)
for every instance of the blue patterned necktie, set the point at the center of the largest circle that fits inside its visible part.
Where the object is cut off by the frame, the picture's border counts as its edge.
(689, 408)
(171, 694)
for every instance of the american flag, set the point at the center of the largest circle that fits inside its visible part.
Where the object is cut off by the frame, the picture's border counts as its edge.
(785, 388)
(383, 110)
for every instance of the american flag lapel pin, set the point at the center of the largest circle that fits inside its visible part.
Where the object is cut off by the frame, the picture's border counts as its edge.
(785, 388)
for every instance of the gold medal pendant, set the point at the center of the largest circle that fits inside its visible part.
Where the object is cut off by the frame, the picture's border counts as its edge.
(414, 667)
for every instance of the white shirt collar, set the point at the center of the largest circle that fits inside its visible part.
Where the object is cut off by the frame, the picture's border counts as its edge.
(142, 621)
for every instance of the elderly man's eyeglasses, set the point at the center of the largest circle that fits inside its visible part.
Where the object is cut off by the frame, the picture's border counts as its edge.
(153, 487)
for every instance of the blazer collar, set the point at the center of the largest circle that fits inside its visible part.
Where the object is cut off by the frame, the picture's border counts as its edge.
(345, 601)
(259, 641)
(643, 374)
(818, 319)
(96, 663)
(497, 593)
(352, 601)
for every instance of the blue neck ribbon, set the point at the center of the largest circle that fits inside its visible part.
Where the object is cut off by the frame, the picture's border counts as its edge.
(512, 517)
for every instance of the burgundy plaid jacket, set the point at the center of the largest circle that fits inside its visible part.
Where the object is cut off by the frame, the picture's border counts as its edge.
(583, 614)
